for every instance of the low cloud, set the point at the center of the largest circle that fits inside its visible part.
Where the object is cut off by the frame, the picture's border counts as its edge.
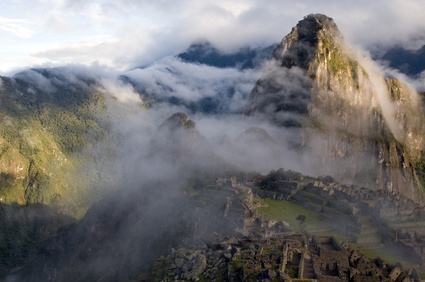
(416, 82)
(225, 89)
(123, 92)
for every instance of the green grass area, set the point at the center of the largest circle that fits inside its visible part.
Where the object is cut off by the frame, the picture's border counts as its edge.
(265, 251)
(388, 255)
(338, 236)
(313, 196)
(287, 211)
(367, 224)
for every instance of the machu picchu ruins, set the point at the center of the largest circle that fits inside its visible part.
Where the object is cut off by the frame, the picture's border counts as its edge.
(246, 245)
(368, 217)
(284, 257)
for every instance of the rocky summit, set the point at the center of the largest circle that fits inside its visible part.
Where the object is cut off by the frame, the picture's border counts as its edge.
(362, 128)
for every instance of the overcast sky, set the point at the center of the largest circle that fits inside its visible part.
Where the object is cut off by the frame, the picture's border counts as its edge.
(128, 33)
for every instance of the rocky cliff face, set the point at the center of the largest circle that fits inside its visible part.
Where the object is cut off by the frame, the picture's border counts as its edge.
(361, 127)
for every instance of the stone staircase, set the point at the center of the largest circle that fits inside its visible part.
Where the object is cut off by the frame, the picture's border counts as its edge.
(312, 248)
(308, 272)
(368, 234)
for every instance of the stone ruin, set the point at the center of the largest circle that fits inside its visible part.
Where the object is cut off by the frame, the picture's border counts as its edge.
(246, 247)
(285, 257)
(371, 218)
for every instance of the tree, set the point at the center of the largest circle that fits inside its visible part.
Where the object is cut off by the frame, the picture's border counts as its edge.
(301, 220)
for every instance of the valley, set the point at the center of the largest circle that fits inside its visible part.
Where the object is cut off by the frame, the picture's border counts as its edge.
(299, 161)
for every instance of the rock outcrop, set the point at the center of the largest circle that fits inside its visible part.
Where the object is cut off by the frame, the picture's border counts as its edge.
(361, 128)
(176, 138)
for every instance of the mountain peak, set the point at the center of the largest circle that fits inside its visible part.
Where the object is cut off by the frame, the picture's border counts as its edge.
(311, 25)
(299, 47)
(178, 120)
(341, 105)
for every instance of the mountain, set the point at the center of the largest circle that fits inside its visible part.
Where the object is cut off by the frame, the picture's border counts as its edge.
(250, 149)
(121, 235)
(204, 52)
(176, 138)
(41, 128)
(358, 126)
(64, 145)
(94, 187)
(118, 238)
(55, 123)
(410, 62)
(57, 146)
(202, 79)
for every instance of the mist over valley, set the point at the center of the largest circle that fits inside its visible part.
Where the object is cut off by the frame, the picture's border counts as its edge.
(303, 159)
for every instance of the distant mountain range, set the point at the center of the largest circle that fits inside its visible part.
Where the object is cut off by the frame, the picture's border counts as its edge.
(410, 62)
(180, 81)
(245, 58)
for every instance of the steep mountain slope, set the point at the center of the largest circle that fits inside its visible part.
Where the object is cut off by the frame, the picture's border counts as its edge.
(121, 235)
(118, 238)
(57, 151)
(359, 127)
(47, 120)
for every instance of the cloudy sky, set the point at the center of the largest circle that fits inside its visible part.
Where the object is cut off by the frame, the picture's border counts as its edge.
(127, 33)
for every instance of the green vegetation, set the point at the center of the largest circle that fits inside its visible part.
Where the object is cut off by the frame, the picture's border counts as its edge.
(160, 269)
(292, 272)
(420, 170)
(301, 220)
(23, 230)
(44, 141)
(51, 170)
(287, 211)
(265, 251)
(387, 254)
(396, 89)
(340, 64)
(281, 174)
(292, 213)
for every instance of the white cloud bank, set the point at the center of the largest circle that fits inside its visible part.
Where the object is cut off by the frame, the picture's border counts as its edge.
(128, 33)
